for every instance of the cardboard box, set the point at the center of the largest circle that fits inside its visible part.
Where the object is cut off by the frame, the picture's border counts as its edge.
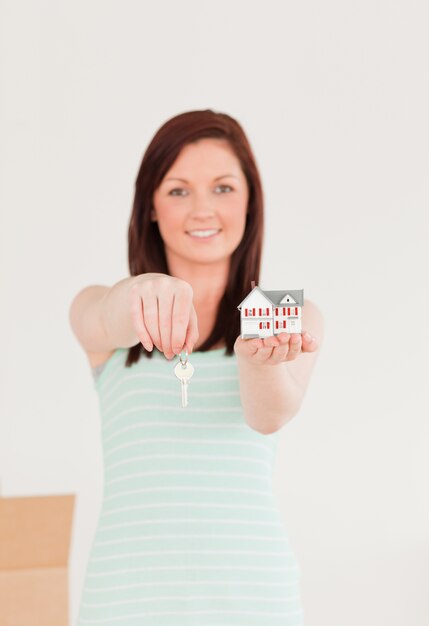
(34, 550)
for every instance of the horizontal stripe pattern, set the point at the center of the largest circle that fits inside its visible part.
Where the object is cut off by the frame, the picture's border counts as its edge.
(189, 531)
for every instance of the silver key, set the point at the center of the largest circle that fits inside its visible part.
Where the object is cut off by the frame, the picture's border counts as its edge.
(184, 371)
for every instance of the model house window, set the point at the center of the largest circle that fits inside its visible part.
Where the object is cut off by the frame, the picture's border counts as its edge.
(249, 312)
(264, 325)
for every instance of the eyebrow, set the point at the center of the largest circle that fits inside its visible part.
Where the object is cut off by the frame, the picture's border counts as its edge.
(217, 178)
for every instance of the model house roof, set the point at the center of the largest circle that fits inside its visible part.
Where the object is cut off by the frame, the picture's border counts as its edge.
(279, 296)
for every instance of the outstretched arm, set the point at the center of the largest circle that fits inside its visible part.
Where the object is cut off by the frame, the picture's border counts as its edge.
(271, 396)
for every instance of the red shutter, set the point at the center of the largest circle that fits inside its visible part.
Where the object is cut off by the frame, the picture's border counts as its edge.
(277, 323)
(296, 310)
(260, 325)
(268, 324)
(284, 323)
(268, 311)
(288, 311)
(253, 312)
(284, 310)
(260, 311)
(245, 312)
(277, 310)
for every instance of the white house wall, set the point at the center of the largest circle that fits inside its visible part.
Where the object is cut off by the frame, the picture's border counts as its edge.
(250, 325)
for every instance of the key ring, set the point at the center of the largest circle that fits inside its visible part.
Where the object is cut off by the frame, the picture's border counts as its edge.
(186, 358)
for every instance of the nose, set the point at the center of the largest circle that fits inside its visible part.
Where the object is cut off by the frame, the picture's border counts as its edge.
(202, 207)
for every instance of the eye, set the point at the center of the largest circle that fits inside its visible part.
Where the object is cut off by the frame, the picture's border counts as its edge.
(224, 187)
(175, 194)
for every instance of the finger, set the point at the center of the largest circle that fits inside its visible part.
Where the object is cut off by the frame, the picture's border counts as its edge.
(271, 341)
(182, 302)
(280, 352)
(254, 344)
(294, 346)
(249, 346)
(265, 352)
(309, 343)
(192, 333)
(150, 317)
(284, 337)
(138, 321)
(165, 308)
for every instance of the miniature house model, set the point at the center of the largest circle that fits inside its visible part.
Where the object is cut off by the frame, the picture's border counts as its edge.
(266, 313)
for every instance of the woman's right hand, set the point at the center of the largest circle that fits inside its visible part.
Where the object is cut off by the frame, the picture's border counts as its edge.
(163, 313)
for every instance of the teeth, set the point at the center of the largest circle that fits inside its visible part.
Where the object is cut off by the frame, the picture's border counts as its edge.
(203, 233)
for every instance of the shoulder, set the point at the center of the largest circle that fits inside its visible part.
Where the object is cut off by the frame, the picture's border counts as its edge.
(313, 320)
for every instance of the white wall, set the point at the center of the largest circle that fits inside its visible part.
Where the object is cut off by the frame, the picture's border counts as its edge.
(334, 98)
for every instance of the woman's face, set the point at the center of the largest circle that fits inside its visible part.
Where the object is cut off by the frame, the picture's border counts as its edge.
(212, 193)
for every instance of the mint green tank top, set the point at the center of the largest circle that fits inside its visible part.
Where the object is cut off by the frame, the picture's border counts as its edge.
(189, 532)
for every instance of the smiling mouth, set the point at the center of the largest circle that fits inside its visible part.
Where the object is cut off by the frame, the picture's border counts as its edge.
(208, 233)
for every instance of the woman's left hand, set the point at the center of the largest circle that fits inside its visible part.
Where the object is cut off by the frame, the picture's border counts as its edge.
(273, 350)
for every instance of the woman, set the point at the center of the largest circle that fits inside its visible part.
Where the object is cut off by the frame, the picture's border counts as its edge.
(189, 531)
